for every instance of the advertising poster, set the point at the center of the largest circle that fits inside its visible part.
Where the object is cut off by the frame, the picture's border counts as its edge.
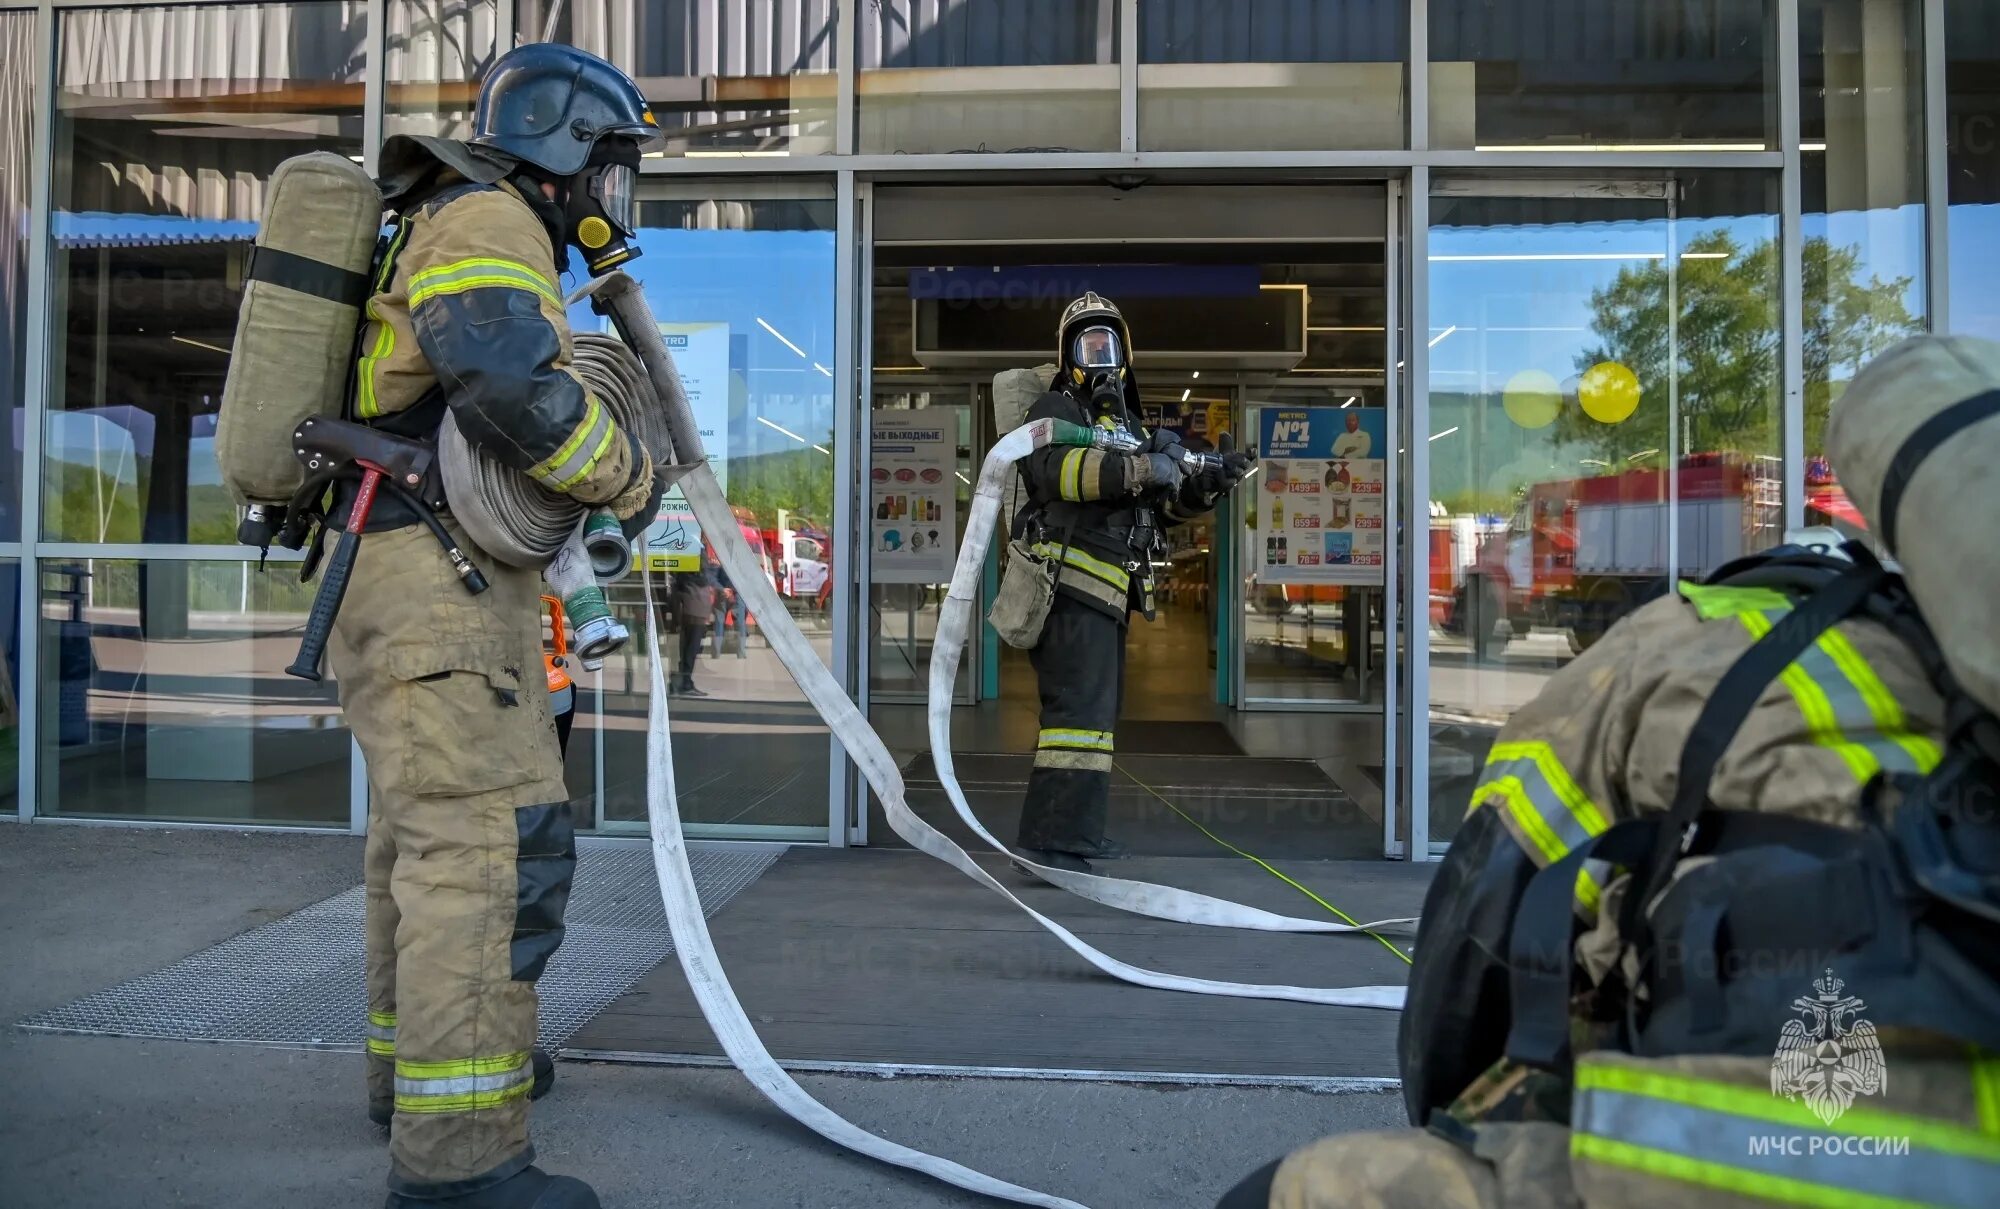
(1320, 496)
(701, 355)
(913, 498)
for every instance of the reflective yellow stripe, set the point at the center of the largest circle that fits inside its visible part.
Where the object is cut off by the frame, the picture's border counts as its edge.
(1550, 809)
(1097, 740)
(1533, 827)
(564, 466)
(472, 1101)
(1069, 481)
(1822, 723)
(1986, 1090)
(1711, 601)
(388, 269)
(1076, 761)
(1782, 1189)
(382, 1019)
(462, 1067)
(1882, 705)
(1588, 892)
(1758, 1104)
(382, 1048)
(367, 405)
(1117, 577)
(477, 272)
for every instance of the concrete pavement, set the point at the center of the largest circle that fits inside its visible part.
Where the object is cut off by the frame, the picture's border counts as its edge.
(99, 1121)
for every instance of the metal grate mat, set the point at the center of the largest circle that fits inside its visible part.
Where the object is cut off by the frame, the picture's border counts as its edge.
(299, 980)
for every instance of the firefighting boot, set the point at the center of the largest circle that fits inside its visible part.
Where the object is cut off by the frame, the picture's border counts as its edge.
(529, 1188)
(545, 1077)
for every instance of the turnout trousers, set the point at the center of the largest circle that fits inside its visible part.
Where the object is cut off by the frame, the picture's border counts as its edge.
(1080, 673)
(470, 850)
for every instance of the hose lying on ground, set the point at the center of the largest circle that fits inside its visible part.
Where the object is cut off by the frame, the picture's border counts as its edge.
(693, 946)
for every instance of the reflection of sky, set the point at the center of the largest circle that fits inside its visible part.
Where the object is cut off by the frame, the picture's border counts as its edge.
(1974, 241)
(1518, 314)
(785, 279)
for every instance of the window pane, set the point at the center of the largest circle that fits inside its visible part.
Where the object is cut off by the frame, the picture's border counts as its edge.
(724, 79)
(1601, 73)
(1861, 181)
(164, 696)
(744, 292)
(988, 75)
(1271, 75)
(1600, 372)
(436, 52)
(17, 132)
(1972, 142)
(168, 123)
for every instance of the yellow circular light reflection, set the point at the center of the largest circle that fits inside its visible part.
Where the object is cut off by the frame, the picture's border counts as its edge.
(1533, 398)
(1609, 392)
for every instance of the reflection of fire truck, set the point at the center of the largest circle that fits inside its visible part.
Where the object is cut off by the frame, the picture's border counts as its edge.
(1581, 553)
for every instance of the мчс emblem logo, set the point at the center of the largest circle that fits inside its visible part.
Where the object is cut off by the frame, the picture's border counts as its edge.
(1829, 1055)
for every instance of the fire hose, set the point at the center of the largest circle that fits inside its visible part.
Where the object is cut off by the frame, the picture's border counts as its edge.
(659, 393)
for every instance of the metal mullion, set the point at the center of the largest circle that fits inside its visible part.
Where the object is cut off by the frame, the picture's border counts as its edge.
(1937, 183)
(374, 74)
(1360, 162)
(1395, 608)
(1128, 75)
(860, 539)
(846, 446)
(848, 71)
(506, 20)
(1674, 451)
(1419, 60)
(1417, 580)
(1791, 290)
(142, 551)
(39, 332)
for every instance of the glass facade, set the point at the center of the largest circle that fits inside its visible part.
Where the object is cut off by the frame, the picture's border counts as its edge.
(18, 129)
(1604, 389)
(1609, 76)
(988, 75)
(1271, 75)
(1861, 181)
(1972, 164)
(1569, 318)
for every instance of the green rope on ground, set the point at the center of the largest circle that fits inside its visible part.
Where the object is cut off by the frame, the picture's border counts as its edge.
(1267, 866)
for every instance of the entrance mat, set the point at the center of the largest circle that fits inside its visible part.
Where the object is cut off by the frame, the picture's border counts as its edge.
(882, 956)
(1278, 809)
(1152, 738)
(298, 981)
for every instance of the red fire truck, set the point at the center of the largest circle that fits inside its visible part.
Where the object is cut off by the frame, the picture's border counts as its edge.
(1581, 553)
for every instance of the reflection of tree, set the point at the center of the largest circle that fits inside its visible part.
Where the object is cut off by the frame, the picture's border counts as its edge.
(798, 481)
(1729, 324)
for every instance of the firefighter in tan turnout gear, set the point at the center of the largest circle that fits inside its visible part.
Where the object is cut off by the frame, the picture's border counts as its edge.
(1721, 926)
(470, 845)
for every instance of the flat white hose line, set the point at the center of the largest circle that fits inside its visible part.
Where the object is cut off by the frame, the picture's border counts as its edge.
(955, 623)
(718, 525)
(719, 1006)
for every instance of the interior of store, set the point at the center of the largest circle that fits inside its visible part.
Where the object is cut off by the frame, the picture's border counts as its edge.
(1250, 686)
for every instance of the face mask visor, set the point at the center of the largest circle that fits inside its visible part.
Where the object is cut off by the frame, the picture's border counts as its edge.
(614, 188)
(1097, 348)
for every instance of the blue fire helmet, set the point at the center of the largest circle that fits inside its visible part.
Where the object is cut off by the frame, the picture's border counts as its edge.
(549, 105)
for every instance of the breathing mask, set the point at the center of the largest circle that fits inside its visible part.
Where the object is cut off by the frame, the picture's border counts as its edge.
(599, 211)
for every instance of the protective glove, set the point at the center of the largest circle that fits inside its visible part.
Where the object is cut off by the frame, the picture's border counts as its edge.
(1235, 468)
(1150, 471)
(637, 505)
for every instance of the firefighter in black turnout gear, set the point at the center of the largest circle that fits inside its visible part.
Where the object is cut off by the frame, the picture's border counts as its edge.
(1101, 517)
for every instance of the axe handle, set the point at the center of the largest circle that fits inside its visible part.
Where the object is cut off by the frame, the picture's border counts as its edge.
(333, 584)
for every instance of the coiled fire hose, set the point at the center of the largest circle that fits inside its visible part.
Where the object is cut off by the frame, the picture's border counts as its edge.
(524, 524)
(624, 301)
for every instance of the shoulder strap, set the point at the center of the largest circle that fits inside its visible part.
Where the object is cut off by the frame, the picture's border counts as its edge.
(1735, 695)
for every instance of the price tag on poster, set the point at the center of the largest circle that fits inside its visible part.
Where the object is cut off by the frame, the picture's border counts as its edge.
(913, 498)
(701, 357)
(1320, 502)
